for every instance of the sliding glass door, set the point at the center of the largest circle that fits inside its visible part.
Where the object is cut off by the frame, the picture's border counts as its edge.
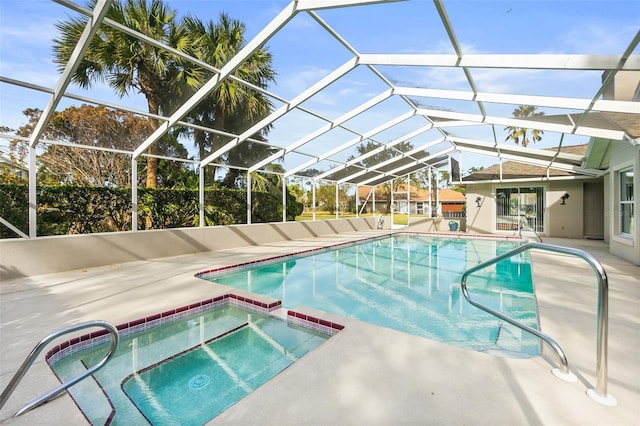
(520, 207)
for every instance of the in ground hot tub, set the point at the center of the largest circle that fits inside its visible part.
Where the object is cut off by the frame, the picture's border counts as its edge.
(184, 367)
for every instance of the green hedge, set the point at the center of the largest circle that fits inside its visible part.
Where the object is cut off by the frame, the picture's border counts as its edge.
(81, 210)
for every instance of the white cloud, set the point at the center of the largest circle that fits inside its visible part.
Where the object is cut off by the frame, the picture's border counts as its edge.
(598, 38)
(295, 80)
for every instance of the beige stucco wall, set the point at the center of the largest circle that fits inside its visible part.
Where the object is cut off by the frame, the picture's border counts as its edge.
(623, 156)
(480, 220)
(27, 257)
(607, 208)
(434, 224)
(564, 221)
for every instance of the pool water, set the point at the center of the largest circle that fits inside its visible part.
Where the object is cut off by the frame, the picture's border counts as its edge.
(187, 371)
(409, 283)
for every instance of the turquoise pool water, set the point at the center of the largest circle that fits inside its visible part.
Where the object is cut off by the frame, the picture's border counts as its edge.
(409, 283)
(187, 371)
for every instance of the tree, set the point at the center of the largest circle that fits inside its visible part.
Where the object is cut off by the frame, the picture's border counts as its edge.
(96, 127)
(130, 64)
(18, 154)
(299, 194)
(475, 169)
(100, 128)
(519, 134)
(232, 106)
(326, 197)
(245, 154)
(445, 178)
(268, 182)
(303, 181)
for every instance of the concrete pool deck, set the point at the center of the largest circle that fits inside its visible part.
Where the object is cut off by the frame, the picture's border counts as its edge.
(365, 374)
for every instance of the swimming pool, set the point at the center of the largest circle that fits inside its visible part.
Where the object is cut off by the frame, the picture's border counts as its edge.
(409, 283)
(184, 368)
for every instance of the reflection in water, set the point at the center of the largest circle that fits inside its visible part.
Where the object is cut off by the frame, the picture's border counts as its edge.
(409, 283)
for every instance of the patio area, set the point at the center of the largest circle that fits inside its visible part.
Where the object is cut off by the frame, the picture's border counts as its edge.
(365, 374)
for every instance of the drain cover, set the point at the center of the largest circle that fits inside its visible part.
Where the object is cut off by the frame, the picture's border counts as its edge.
(198, 382)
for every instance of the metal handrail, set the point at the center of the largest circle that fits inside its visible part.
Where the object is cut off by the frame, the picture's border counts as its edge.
(602, 312)
(64, 386)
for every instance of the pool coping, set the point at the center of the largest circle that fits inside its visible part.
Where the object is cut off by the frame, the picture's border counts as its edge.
(209, 273)
(257, 303)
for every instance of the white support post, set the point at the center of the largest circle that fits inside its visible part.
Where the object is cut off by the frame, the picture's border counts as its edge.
(391, 205)
(284, 199)
(337, 203)
(33, 200)
(438, 207)
(408, 198)
(313, 199)
(357, 202)
(93, 23)
(134, 194)
(201, 200)
(373, 210)
(430, 191)
(248, 198)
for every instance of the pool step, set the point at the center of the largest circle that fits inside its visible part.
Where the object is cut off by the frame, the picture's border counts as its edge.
(512, 340)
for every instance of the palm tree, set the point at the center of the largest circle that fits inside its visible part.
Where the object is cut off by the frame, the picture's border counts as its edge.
(519, 134)
(247, 153)
(232, 106)
(268, 182)
(129, 64)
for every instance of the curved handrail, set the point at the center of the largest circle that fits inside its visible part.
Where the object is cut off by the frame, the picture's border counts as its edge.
(562, 358)
(64, 386)
(602, 311)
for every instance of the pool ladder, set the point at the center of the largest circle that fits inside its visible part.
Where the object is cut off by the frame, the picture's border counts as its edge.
(599, 394)
(64, 386)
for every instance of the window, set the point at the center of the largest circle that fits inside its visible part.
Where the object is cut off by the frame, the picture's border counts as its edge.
(626, 202)
(520, 207)
(402, 206)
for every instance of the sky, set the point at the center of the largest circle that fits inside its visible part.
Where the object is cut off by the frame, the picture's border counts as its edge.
(303, 53)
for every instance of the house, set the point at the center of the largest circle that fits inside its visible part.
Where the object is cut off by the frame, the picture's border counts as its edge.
(412, 200)
(15, 168)
(507, 196)
(594, 196)
(621, 160)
